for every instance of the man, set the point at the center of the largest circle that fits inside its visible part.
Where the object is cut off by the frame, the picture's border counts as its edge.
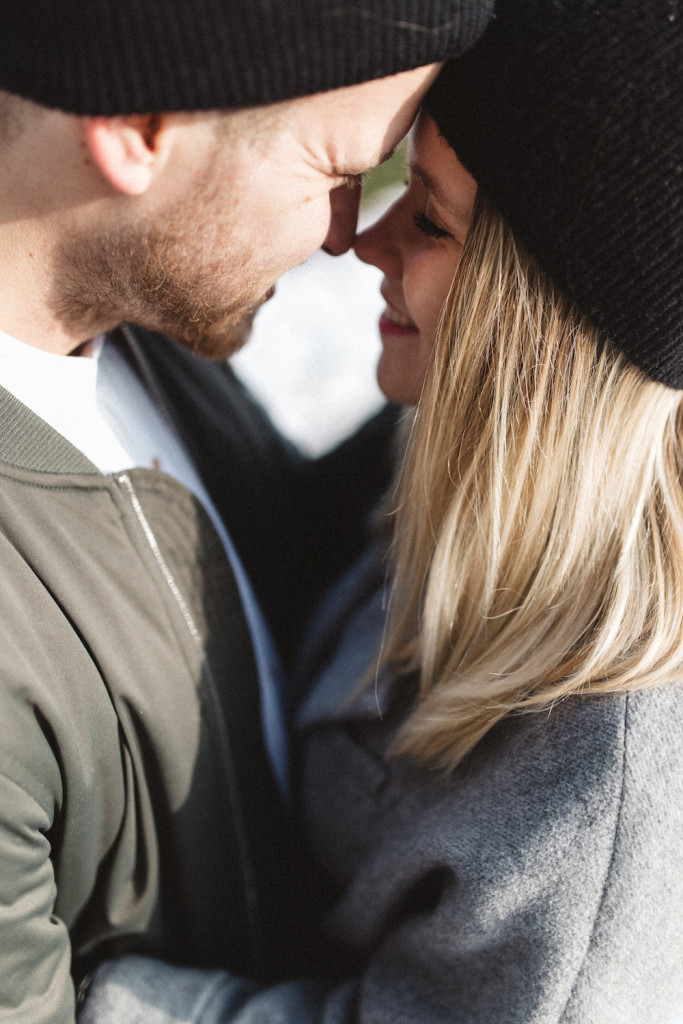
(162, 164)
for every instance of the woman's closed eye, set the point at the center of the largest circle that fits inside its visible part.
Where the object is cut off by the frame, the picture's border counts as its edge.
(428, 227)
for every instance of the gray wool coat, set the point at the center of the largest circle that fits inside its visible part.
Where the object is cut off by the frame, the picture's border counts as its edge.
(540, 883)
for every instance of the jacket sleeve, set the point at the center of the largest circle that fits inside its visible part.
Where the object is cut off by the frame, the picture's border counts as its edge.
(139, 990)
(35, 951)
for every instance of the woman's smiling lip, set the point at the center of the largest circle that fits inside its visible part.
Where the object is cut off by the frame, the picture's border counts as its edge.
(392, 321)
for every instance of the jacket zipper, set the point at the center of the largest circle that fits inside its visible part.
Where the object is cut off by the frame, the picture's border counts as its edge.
(251, 898)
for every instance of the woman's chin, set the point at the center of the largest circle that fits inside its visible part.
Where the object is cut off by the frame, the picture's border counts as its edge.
(398, 381)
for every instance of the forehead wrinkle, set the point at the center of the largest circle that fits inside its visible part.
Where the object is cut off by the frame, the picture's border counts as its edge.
(313, 160)
(352, 166)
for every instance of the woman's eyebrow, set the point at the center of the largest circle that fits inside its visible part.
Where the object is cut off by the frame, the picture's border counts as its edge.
(422, 176)
(444, 200)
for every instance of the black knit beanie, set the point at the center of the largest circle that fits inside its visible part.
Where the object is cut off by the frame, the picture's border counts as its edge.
(569, 113)
(126, 56)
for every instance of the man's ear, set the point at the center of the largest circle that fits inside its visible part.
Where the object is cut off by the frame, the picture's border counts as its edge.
(125, 149)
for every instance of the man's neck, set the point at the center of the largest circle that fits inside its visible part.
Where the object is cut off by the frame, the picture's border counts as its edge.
(25, 292)
(31, 333)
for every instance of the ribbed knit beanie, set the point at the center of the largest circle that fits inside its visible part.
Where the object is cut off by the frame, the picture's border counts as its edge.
(137, 56)
(569, 114)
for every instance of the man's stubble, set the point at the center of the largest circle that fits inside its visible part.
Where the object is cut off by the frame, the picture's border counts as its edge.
(179, 275)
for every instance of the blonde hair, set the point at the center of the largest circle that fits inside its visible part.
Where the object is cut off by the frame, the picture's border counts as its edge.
(538, 547)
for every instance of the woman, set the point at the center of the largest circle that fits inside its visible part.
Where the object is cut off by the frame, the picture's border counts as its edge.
(497, 808)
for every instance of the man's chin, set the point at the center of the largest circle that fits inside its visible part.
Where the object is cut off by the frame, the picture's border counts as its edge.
(223, 344)
(221, 339)
(214, 341)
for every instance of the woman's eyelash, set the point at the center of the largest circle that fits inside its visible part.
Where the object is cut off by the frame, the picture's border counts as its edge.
(428, 227)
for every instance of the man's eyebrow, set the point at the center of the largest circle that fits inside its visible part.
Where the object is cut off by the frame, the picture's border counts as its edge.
(337, 170)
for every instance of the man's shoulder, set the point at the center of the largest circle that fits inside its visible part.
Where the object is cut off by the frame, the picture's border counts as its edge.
(28, 443)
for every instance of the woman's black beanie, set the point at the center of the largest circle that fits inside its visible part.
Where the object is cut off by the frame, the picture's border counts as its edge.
(569, 115)
(135, 56)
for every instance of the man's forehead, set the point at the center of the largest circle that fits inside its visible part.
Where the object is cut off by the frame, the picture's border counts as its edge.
(358, 127)
(342, 132)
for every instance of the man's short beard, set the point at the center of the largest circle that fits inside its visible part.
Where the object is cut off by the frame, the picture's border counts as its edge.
(172, 279)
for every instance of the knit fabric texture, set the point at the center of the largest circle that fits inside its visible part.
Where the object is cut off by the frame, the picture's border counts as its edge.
(569, 113)
(125, 56)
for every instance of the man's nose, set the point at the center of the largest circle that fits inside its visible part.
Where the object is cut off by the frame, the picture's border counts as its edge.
(344, 206)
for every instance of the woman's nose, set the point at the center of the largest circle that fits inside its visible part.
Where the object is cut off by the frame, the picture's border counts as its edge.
(379, 244)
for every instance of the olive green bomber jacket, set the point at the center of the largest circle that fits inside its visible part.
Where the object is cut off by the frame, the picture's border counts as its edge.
(122, 804)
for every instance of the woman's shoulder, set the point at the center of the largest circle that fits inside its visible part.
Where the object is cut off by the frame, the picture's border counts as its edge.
(589, 751)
